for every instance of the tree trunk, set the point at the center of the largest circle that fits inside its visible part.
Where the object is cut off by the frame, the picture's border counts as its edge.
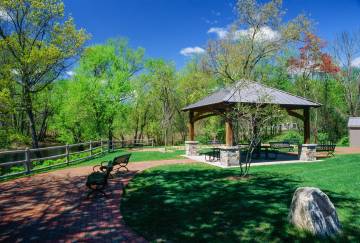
(31, 117)
(110, 134)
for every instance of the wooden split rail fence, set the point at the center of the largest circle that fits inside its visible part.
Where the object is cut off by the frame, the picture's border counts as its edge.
(87, 150)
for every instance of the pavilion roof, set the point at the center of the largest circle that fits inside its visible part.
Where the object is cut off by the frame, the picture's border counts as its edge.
(249, 92)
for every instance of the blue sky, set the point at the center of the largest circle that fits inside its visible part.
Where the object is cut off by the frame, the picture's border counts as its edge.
(165, 27)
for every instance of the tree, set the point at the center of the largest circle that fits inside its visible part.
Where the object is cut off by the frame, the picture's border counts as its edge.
(97, 94)
(313, 63)
(252, 119)
(346, 50)
(257, 35)
(41, 45)
(161, 76)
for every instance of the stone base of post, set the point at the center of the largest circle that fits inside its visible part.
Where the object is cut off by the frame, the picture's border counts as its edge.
(191, 148)
(307, 152)
(229, 156)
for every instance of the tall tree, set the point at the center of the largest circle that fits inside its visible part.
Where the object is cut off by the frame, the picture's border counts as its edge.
(161, 76)
(313, 65)
(42, 44)
(347, 51)
(101, 85)
(258, 34)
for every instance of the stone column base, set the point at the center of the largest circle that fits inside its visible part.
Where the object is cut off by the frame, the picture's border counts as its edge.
(229, 156)
(307, 152)
(191, 148)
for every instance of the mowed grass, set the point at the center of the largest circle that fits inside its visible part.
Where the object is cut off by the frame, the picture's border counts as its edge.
(137, 156)
(201, 203)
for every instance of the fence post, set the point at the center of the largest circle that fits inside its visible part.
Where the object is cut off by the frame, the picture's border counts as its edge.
(27, 161)
(67, 152)
(91, 152)
(101, 145)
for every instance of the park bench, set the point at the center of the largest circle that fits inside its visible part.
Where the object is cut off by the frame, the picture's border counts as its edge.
(328, 148)
(117, 163)
(213, 155)
(281, 145)
(276, 146)
(98, 180)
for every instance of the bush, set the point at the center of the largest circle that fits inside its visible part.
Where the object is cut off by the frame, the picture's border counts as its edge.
(344, 141)
(290, 136)
(323, 137)
(4, 141)
(19, 139)
(203, 139)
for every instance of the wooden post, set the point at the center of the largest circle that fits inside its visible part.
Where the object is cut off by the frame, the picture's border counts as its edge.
(91, 152)
(229, 132)
(67, 152)
(27, 161)
(191, 126)
(306, 125)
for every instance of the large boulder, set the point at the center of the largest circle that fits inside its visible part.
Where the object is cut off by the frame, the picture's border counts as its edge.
(312, 210)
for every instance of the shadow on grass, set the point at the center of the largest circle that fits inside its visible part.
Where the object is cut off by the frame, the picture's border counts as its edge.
(213, 205)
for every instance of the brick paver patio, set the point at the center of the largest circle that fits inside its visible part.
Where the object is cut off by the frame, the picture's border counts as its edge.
(52, 207)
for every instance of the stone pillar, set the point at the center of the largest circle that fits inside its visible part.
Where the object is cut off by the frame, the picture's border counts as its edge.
(307, 152)
(191, 148)
(229, 156)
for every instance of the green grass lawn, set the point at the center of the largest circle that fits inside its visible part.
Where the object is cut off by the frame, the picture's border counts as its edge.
(200, 203)
(137, 156)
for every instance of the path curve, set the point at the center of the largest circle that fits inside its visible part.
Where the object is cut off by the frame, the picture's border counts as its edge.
(52, 207)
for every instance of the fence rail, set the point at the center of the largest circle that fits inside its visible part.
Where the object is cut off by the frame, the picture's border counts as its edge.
(89, 150)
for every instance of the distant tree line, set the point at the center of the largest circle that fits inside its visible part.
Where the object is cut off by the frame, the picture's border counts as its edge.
(115, 92)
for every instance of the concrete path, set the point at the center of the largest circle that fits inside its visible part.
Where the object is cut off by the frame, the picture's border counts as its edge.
(52, 207)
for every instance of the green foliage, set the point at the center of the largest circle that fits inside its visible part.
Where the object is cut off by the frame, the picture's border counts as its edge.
(98, 94)
(344, 141)
(289, 136)
(39, 44)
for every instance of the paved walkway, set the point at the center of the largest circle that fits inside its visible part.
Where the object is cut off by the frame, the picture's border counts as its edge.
(52, 207)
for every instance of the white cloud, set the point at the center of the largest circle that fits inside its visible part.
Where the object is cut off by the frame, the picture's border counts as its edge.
(4, 16)
(220, 32)
(70, 73)
(264, 34)
(189, 51)
(356, 62)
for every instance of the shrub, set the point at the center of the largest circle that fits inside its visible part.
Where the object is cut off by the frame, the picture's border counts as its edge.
(290, 136)
(344, 141)
(323, 137)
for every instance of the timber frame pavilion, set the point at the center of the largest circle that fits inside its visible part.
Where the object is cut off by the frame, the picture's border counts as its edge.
(224, 100)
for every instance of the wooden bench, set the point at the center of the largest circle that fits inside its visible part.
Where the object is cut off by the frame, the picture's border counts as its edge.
(328, 148)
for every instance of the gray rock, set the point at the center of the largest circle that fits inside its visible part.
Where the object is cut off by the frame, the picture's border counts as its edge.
(312, 210)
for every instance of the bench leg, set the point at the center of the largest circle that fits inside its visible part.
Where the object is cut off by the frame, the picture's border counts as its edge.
(124, 166)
